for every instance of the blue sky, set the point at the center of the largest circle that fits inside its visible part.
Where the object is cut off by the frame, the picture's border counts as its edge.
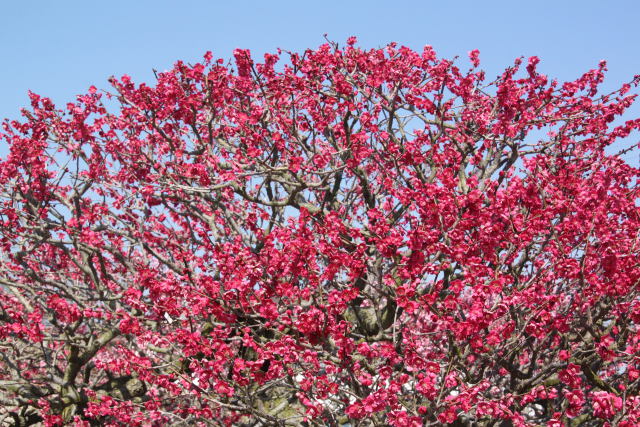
(58, 49)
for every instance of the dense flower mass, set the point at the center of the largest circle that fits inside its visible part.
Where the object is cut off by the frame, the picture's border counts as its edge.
(338, 237)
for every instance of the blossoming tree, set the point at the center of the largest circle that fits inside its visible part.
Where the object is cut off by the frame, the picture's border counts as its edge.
(339, 237)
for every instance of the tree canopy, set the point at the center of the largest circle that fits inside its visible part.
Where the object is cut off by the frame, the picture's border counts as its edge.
(341, 236)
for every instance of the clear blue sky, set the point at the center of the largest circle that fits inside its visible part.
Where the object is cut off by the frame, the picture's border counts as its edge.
(60, 48)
